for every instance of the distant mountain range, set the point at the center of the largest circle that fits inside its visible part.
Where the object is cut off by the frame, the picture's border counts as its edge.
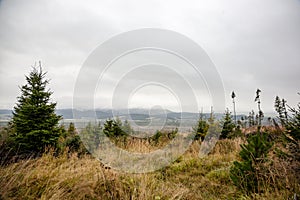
(137, 115)
(134, 114)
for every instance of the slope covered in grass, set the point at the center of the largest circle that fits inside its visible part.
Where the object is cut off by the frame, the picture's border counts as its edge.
(70, 177)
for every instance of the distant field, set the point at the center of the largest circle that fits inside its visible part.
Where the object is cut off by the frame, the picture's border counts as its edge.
(137, 125)
(3, 122)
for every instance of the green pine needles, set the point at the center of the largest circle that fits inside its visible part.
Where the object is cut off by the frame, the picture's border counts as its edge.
(228, 125)
(34, 121)
(244, 174)
(201, 129)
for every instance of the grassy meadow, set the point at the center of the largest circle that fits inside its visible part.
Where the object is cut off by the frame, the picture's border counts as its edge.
(72, 176)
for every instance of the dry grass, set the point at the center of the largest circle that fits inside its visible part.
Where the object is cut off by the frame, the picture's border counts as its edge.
(70, 177)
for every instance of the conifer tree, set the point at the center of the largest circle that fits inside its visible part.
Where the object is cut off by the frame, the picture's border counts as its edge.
(73, 140)
(201, 128)
(34, 120)
(233, 101)
(260, 112)
(127, 128)
(251, 120)
(253, 155)
(280, 107)
(114, 128)
(291, 123)
(228, 125)
(214, 126)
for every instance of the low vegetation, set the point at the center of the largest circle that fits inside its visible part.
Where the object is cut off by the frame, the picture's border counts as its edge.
(41, 159)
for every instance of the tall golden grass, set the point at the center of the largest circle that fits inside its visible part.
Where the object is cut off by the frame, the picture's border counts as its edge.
(69, 177)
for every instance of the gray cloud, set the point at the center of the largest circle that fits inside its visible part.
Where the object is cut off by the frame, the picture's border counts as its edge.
(253, 43)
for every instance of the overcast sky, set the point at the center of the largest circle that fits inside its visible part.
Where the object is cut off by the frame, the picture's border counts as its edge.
(253, 43)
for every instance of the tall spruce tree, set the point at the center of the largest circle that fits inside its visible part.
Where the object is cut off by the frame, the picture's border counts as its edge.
(34, 119)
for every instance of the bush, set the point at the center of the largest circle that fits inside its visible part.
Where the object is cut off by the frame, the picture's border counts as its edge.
(163, 136)
(156, 137)
(244, 174)
(236, 132)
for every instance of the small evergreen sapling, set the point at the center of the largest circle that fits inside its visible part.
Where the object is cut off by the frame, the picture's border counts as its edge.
(228, 125)
(201, 128)
(244, 173)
